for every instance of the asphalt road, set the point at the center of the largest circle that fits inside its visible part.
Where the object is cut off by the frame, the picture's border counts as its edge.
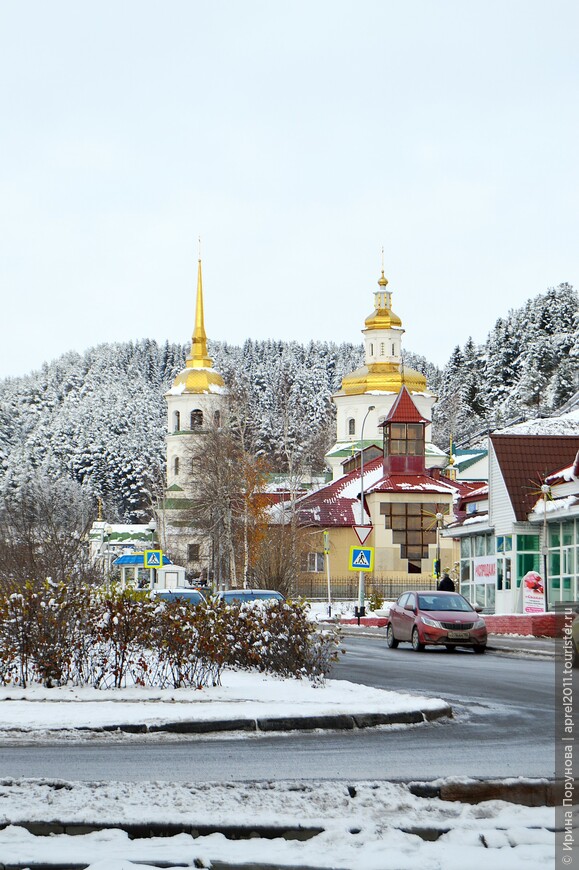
(503, 726)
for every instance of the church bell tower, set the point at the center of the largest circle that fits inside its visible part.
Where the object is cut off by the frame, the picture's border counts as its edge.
(196, 403)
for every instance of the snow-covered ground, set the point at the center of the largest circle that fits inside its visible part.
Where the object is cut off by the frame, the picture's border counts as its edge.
(362, 825)
(242, 695)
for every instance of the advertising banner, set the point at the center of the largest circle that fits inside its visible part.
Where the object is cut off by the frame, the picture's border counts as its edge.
(533, 593)
(484, 569)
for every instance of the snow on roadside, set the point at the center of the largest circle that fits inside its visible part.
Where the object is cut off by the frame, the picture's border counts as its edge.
(242, 695)
(365, 824)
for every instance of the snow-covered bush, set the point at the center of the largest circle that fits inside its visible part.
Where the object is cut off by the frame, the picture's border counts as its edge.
(56, 634)
(278, 637)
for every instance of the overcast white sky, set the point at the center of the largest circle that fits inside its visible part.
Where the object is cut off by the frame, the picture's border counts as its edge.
(296, 139)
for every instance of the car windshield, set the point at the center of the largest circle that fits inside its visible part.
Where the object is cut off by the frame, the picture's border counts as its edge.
(443, 602)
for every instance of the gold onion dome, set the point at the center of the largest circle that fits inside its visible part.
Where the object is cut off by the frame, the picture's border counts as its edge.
(198, 376)
(382, 377)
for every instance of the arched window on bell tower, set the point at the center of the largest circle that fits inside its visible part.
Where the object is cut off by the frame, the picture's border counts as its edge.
(176, 466)
(176, 421)
(217, 419)
(351, 426)
(196, 419)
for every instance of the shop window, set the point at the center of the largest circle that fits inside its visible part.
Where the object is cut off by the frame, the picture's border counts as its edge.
(568, 560)
(554, 564)
(503, 573)
(528, 543)
(526, 562)
(504, 543)
(479, 545)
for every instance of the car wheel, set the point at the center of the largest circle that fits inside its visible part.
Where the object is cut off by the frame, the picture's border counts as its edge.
(450, 647)
(479, 650)
(390, 639)
(417, 645)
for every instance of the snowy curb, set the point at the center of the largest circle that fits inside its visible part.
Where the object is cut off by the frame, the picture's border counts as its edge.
(297, 824)
(527, 792)
(333, 722)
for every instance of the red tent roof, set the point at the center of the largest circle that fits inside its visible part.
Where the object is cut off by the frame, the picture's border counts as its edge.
(404, 410)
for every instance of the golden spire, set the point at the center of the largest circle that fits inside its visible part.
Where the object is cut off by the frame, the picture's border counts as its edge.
(198, 376)
(198, 357)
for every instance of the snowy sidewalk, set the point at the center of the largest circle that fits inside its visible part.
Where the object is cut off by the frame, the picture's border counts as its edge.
(245, 702)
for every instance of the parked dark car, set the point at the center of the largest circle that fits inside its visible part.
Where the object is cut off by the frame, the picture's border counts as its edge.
(185, 596)
(438, 619)
(241, 596)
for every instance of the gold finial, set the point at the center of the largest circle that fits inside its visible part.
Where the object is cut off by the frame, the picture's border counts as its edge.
(382, 281)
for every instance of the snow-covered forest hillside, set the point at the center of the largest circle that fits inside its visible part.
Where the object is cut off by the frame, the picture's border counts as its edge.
(98, 419)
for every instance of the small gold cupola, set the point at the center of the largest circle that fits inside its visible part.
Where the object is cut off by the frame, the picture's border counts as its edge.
(198, 376)
(382, 317)
(384, 371)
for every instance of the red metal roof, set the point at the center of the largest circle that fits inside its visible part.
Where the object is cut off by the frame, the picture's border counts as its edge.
(413, 483)
(526, 460)
(337, 503)
(404, 410)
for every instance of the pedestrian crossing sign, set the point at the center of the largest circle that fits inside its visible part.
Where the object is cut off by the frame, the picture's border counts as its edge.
(361, 558)
(153, 558)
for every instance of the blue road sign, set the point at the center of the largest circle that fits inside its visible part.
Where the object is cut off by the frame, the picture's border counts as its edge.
(153, 558)
(361, 558)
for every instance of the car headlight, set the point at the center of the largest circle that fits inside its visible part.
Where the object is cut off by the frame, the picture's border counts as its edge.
(480, 623)
(433, 623)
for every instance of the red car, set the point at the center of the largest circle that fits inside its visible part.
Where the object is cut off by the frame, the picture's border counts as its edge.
(437, 618)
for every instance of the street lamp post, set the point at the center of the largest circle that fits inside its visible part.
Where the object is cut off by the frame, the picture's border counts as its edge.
(546, 490)
(361, 608)
(439, 519)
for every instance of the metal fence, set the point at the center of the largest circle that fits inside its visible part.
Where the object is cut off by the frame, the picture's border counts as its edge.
(315, 586)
